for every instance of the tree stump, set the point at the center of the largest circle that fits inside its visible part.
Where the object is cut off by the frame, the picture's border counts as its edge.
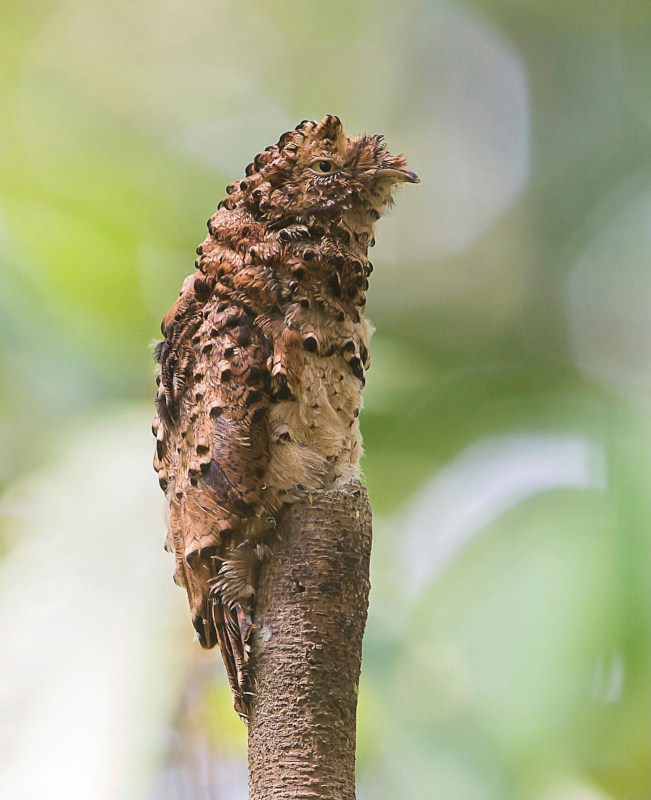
(311, 613)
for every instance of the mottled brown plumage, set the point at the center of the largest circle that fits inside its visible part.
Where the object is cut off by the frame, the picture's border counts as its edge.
(262, 365)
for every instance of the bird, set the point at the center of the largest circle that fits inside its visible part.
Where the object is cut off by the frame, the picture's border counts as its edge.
(261, 367)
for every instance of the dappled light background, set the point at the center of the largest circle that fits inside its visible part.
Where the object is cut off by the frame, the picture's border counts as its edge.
(507, 411)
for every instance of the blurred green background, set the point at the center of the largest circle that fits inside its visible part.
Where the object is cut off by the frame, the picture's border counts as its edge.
(507, 410)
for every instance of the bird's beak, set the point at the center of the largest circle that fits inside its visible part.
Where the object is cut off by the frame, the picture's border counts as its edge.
(405, 175)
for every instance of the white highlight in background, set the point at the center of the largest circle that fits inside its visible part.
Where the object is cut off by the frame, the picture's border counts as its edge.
(488, 479)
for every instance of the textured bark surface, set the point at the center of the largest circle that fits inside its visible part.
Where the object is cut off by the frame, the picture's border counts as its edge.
(311, 612)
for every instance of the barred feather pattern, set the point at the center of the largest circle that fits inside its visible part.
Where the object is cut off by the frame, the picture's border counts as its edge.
(262, 365)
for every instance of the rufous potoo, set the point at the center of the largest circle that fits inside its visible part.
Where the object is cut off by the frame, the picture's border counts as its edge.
(263, 363)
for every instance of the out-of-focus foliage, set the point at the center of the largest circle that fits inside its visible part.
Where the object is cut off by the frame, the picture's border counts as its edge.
(507, 409)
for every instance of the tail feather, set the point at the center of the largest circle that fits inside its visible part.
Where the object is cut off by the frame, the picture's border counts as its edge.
(235, 652)
(218, 622)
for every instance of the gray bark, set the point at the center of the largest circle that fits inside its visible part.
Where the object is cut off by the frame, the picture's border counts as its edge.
(310, 614)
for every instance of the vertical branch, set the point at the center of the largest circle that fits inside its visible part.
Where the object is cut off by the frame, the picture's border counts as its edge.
(311, 613)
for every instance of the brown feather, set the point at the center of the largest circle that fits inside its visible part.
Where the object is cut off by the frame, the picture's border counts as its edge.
(262, 365)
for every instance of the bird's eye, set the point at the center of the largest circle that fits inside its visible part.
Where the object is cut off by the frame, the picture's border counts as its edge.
(323, 165)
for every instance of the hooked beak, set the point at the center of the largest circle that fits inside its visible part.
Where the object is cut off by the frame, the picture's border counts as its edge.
(398, 175)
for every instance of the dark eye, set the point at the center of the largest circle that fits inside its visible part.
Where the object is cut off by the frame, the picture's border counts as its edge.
(322, 165)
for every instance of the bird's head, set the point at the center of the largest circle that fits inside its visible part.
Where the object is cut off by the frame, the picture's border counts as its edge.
(316, 170)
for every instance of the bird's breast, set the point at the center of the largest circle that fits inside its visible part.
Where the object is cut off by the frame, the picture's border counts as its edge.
(315, 438)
